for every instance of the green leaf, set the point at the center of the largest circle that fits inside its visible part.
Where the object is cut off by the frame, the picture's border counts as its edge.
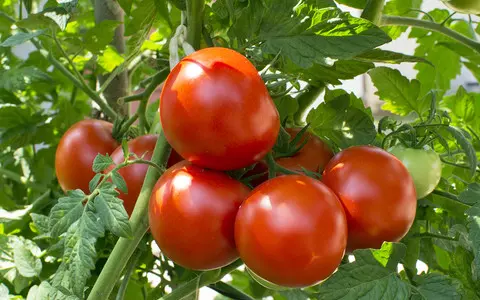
(462, 105)
(67, 211)
(474, 235)
(98, 37)
(94, 182)
(19, 78)
(401, 95)
(4, 293)
(113, 215)
(471, 195)
(126, 5)
(110, 59)
(379, 55)
(286, 106)
(101, 163)
(41, 223)
(46, 291)
(342, 123)
(119, 182)
(366, 277)
(303, 34)
(360, 4)
(467, 147)
(20, 38)
(80, 254)
(435, 287)
(405, 8)
(60, 15)
(27, 263)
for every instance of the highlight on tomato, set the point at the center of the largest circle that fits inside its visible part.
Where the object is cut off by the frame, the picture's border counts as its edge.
(228, 119)
(192, 215)
(291, 231)
(377, 193)
(77, 149)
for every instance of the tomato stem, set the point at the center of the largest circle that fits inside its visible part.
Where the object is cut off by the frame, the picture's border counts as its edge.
(373, 11)
(305, 102)
(157, 79)
(195, 22)
(139, 222)
(432, 26)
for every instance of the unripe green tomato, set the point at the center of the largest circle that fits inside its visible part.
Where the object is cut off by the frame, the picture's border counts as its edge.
(464, 6)
(424, 166)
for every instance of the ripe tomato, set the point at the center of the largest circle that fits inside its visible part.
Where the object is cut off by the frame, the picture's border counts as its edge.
(291, 231)
(377, 193)
(216, 111)
(134, 175)
(174, 158)
(424, 165)
(464, 6)
(78, 148)
(313, 156)
(192, 215)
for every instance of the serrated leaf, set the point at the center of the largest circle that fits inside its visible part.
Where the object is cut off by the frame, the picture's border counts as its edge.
(18, 78)
(110, 59)
(94, 182)
(41, 223)
(101, 163)
(435, 287)
(471, 195)
(27, 264)
(360, 4)
(60, 15)
(379, 55)
(20, 38)
(401, 95)
(119, 182)
(366, 277)
(462, 105)
(304, 34)
(46, 291)
(467, 147)
(286, 106)
(67, 211)
(343, 124)
(80, 254)
(126, 5)
(113, 214)
(98, 37)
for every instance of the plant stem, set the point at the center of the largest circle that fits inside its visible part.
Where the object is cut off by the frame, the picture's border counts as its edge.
(195, 22)
(373, 11)
(139, 223)
(59, 46)
(20, 179)
(450, 196)
(432, 26)
(305, 101)
(126, 278)
(191, 286)
(229, 291)
(142, 108)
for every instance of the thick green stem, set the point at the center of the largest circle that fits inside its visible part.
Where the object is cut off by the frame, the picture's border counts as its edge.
(202, 280)
(126, 278)
(373, 11)
(152, 86)
(305, 101)
(20, 179)
(195, 22)
(139, 223)
(432, 26)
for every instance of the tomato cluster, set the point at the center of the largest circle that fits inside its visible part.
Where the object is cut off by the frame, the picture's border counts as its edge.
(290, 230)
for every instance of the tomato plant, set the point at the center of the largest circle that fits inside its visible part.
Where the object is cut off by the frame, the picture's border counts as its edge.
(78, 148)
(289, 238)
(424, 166)
(192, 208)
(377, 193)
(223, 82)
(209, 89)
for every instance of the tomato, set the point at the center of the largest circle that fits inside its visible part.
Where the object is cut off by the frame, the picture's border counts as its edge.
(424, 165)
(216, 111)
(134, 175)
(174, 158)
(377, 193)
(464, 6)
(192, 215)
(291, 231)
(78, 148)
(313, 156)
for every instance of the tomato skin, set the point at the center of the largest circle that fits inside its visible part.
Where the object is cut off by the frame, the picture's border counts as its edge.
(78, 148)
(464, 6)
(134, 175)
(377, 193)
(291, 231)
(313, 156)
(192, 215)
(216, 111)
(424, 165)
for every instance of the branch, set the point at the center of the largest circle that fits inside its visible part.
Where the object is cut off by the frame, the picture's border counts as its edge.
(373, 11)
(139, 223)
(157, 79)
(432, 26)
(195, 22)
(305, 101)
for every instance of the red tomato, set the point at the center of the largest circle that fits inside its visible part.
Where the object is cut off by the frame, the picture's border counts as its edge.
(192, 215)
(291, 231)
(377, 193)
(216, 111)
(174, 158)
(313, 156)
(134, 175)
(78, 148)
